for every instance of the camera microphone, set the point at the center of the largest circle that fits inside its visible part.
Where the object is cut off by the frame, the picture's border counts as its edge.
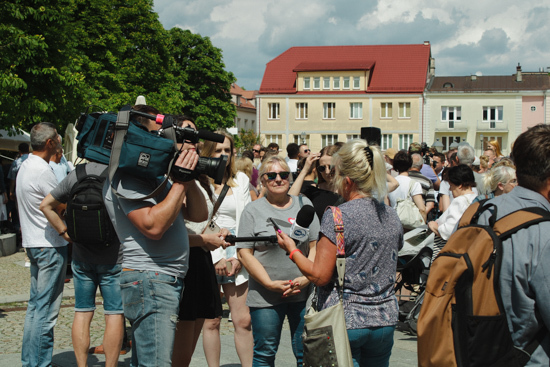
(299, 231)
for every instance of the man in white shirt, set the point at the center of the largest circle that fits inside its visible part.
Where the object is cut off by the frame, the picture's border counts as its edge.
(46, 249)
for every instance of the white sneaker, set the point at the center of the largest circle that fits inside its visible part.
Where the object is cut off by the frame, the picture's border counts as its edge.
(27, 264)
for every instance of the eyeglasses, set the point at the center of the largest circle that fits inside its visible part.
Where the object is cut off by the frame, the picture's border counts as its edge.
(324, 168)
(273, 175)
(255, 151)
(307, 150)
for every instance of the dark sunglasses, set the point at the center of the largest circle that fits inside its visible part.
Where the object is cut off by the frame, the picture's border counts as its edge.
(255, 151)
(307, 150)
(324, 168)
(273, 175)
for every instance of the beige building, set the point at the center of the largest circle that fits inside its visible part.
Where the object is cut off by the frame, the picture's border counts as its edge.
(324, 95)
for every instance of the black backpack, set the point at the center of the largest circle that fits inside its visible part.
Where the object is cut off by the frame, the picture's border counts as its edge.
(87, 219)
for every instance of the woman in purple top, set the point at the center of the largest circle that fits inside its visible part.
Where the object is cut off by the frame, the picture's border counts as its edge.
(373, 236)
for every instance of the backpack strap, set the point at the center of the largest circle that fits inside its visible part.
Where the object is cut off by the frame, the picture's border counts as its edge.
(340, 247)
(80, 172)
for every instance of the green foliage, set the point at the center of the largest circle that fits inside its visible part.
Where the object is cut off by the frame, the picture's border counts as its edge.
(248, 139)
(60, 56)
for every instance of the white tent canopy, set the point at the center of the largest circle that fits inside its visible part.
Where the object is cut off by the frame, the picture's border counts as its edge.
(8, 142)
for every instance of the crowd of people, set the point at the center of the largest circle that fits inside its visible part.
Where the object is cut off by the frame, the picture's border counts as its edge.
(172, 263)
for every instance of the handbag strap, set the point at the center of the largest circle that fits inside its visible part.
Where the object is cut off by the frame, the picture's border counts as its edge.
(220, 199)
(340, 247)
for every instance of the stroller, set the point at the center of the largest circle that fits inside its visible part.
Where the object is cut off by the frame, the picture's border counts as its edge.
(413, 266)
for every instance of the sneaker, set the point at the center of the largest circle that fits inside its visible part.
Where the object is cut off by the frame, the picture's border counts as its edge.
(27, 264)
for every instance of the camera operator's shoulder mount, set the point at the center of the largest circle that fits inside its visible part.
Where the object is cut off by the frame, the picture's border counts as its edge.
(130, 148)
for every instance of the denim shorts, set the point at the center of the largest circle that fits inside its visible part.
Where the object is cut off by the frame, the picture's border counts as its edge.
(222, 279)
(88, 277)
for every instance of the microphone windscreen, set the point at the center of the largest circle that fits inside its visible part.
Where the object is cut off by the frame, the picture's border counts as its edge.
(207, 135)
(305, 216)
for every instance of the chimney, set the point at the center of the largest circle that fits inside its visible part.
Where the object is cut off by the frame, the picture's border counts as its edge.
(518, 73)
(426, 43)
(432, 66)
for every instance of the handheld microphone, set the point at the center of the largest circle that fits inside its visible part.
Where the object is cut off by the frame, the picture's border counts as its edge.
(299, 231)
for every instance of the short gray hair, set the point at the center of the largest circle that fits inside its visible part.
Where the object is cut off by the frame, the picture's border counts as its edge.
(417, 161)
(466, 154)
(40, 133)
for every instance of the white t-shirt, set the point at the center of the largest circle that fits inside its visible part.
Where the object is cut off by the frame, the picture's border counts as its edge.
(293, 165)
(35, 180)
(445, 189)
(448, 220)
(402, 192)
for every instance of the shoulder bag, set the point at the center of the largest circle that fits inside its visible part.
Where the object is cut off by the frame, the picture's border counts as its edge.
(408, 212)
(325, 336)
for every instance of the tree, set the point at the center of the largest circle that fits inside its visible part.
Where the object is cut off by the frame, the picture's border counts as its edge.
(203, 83)
(248, 139)
(38, 77)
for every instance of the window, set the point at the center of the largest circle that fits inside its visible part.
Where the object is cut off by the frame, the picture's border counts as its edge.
(301, 111)
(533, 108)
(448, 140)
(387, 141)
(404, 110)
(328, 140)
(356, 81)
(274, 139)
(356, 110)
(353, 136)
(336, 83)
(298, 139)
(492, 115)
(329, 110)
(307, 82)
(317, 82)
(326, 82)
(386, 110)
(273, 111)
(450, 115)
(346, 82)
(405, 140)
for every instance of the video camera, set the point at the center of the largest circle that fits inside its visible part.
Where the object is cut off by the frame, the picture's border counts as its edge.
(141, 152)
(425, 149)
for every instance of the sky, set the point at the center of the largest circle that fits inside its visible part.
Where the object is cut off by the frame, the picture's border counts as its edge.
(466, 37)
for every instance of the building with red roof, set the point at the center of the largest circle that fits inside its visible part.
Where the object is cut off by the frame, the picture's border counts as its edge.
(245, 103)
(324, 94)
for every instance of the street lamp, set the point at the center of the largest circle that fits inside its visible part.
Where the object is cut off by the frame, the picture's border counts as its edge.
(454, 145)
(303, 136)
(481, 143)
(438, 146)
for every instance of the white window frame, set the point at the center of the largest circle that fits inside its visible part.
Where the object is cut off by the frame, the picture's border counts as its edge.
(353, 136)
(385, 112)
(329, 139)
(326, 82)
(307, 83)
(301, 111)
(274, 111)
(356, 82)
(274, 138)
(405, 140)
(404, 107)
(317, 83)
(451, 115)
(336, 83)
(346, 81)
(356, 110)
(387, 141)
(329, 110)
(488, 112)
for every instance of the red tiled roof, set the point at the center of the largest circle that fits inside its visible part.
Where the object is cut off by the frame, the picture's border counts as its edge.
(333, 66)
(530, 81)
(397, 68)
(235, 89)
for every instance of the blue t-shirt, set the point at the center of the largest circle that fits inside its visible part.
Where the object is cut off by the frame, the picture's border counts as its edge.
(373, 236)
(169, 255)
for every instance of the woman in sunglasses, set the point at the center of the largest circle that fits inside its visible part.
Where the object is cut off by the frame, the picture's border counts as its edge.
(276, 287)
(230, 276)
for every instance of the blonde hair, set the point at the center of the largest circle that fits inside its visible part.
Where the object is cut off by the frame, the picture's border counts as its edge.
(499, 174)
(483, 162)
(208, 151)
(269, 162)
(244, 164)
(352, 161)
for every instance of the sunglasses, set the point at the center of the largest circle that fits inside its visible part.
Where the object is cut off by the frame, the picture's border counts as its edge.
(255, 151)
(324, 168)
(307, 150)
(273, 175)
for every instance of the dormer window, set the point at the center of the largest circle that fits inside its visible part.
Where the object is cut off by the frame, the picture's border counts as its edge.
(346, 82)
(317, 82)
(448, 85)
(326, 82)
(307, 82)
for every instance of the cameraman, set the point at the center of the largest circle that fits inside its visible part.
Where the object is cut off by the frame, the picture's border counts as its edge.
(155, 252)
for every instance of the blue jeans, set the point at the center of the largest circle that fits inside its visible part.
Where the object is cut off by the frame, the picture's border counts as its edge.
(267, 324)
(151, 302)
(87, 277)
(48, 269)
(371, 346)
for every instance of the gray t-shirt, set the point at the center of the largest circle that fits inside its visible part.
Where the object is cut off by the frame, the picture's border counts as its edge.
(98, 254)
(255, 222)
(169, 255)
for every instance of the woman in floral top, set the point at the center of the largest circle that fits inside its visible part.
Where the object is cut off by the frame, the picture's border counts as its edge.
(373, 236)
